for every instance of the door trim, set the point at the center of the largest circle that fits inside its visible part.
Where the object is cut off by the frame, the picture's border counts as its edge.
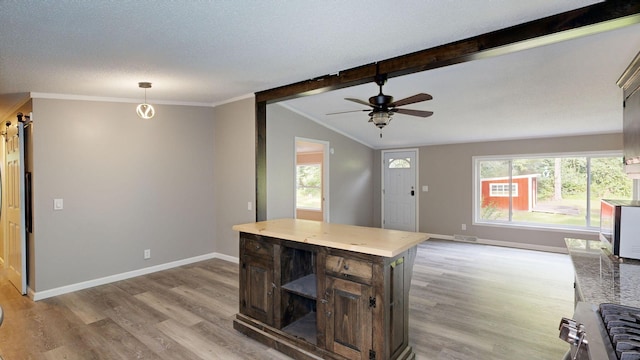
(382, 170)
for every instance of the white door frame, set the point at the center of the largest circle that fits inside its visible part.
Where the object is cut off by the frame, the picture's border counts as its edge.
(326, 148)
(383, 169)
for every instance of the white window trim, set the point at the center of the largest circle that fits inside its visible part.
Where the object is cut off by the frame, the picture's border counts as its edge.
(477, 191)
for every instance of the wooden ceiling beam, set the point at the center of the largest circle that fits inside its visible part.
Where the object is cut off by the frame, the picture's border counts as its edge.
(572, 24)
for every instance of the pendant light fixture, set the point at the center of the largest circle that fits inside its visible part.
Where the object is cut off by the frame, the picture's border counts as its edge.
(144, 110)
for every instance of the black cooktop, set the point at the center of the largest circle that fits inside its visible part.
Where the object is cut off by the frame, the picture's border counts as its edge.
(623, 327)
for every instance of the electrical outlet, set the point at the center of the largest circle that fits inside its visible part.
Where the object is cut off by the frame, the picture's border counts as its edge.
(464, 226)
(58, 204)
(147, 254)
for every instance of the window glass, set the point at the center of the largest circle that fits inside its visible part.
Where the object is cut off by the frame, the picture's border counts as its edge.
(493, 208)
(554, 191)
(503, 189)
(558, 191)
(400, 163)
(309, 187)
(608, 181)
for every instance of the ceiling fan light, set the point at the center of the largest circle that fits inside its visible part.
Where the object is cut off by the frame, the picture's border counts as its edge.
(380, 119)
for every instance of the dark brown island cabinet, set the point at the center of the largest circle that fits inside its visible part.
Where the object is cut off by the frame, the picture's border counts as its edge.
(316, 290)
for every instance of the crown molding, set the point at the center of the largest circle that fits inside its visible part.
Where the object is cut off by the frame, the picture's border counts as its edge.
(40, 95)
(237, 98)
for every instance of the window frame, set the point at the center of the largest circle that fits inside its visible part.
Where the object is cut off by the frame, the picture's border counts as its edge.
(477, 191)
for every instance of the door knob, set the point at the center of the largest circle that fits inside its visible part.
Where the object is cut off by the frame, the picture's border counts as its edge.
(413, 192)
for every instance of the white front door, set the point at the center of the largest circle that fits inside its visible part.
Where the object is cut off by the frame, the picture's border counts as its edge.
(15, 233)
(399, 191)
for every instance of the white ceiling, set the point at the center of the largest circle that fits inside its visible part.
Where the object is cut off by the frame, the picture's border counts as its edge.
(564, 89)
(209, 52)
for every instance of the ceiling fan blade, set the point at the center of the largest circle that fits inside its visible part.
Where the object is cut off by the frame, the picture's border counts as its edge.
(412, 99)
(344, 112)
(362, 102)
(420, 113)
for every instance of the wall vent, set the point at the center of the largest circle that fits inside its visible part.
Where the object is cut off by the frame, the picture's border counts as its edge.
(465, 238)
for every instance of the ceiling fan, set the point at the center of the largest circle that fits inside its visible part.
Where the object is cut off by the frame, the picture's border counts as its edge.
(383, 106)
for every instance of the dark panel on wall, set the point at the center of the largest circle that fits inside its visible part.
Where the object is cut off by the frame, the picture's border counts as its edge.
(261, 161)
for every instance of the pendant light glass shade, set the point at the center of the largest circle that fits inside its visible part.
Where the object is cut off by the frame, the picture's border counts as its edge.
(144, 110)
(380, 119)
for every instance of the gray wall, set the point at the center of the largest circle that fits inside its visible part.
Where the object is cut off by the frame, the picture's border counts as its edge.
(350, 169)
(128, 185)
(178, 183)
(234, 179)
(448, 171)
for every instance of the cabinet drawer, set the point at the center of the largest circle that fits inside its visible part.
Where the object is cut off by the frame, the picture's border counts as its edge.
(351, 267)
(258, 248)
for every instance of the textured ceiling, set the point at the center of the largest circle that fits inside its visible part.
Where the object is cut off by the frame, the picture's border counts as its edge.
(568, 88)
(208, 52)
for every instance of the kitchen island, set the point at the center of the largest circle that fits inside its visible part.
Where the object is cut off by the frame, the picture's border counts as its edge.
(601, 277)
(316, 290)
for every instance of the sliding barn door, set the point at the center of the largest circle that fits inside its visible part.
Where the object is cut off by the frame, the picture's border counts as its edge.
(15, 234)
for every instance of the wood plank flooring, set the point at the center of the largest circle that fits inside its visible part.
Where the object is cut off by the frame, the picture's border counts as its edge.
(467, 301)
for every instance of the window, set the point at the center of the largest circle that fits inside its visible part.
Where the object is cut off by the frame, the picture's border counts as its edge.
(400, 163)
(497, 189)
(309, 187)
(561, 191)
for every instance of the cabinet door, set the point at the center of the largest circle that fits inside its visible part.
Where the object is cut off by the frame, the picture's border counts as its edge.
(257, 294)
(348, 325)
(398, 310)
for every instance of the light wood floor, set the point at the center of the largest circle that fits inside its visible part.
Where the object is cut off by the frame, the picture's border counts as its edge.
(467, 301)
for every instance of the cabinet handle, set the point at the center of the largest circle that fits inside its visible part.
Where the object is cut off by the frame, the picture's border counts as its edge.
(324, 301)
(346, 266)
(328, 314)
(257, 247)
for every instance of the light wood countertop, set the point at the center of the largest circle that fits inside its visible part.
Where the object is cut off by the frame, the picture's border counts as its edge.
(367, 240)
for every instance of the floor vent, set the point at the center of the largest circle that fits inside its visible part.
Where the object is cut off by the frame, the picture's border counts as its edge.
(465, 238)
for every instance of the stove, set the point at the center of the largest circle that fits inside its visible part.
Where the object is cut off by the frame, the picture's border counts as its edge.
(604, 332)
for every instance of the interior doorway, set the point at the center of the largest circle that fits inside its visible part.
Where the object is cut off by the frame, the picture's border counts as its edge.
(399, 190)
(312, 179)
(13, 213)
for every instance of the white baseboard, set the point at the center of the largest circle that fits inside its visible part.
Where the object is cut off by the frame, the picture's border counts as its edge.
(228, 258)
(516, 245)
(40, 295)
